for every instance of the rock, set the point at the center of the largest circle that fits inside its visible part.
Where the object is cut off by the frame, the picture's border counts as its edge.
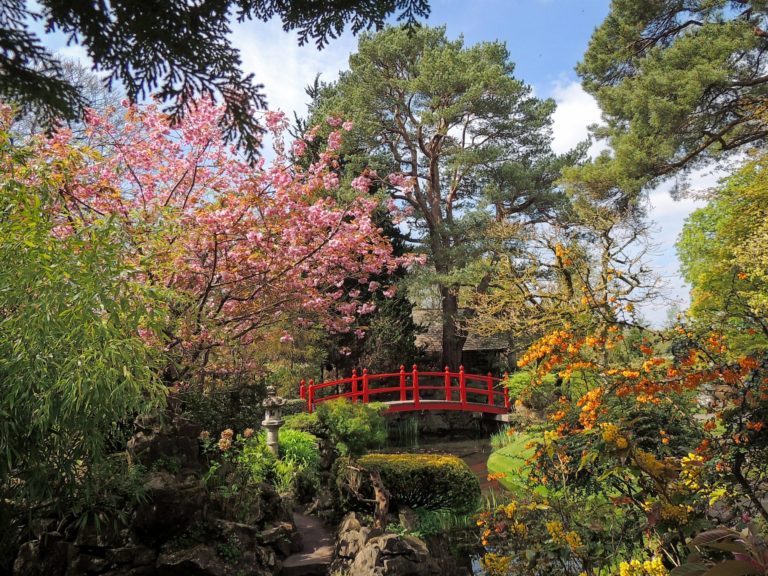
(362, 551)
(133, 555)
(393, 555)
(83, 564)
(173, 506)
(205, 560)
(350, 522)
(282, 537)
(175, 442)
(200, 560)
(47, 556)
(132, 571)
(104, 537)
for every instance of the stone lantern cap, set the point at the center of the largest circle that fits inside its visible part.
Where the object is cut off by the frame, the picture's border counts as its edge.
(272, 406)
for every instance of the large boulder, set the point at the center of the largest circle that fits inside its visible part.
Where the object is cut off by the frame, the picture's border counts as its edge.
(172, 443)
(173, 504)
(47, 556)
(225, 559)
(364, 551)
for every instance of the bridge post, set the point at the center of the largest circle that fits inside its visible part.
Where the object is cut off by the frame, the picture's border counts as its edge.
(310, 395)
(447, 384)
(415, 377)
(490, 389)
(354, 385)
(402, 383)
(506, 392)
(303, 390)
(462, 386)
(365, 385)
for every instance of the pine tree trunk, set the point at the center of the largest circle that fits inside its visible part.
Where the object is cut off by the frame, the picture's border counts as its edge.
(453, 339)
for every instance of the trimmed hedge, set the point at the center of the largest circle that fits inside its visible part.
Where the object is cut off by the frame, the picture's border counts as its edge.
(294, 406)
(427, 481)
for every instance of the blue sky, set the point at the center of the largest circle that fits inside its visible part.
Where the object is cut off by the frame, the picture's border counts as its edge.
(545, 38)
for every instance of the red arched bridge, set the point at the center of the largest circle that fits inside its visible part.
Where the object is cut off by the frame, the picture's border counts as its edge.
(414, 390)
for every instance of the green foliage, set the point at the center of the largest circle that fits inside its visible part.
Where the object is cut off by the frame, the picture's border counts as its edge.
(193, 57)
(229, 551)
(306, 422)
(257, 459)
(108, 496)
(679, 83)
(353, 428)
(294, 406)
(722, 252)
(72, 364)
(410, 94)
(427, 481)
(240, 463)
(508, 461)
(537, 397)
(300, 447)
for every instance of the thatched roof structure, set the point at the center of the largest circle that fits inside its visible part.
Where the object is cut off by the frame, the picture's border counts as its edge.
(431, 340)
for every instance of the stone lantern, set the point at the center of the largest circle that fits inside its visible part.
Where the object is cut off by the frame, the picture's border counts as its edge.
(273, 408)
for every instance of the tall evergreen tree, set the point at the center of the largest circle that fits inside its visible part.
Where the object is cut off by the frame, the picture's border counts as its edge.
(680, 83)
(471, 142)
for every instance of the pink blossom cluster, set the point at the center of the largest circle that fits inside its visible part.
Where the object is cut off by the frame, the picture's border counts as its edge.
(247, 248)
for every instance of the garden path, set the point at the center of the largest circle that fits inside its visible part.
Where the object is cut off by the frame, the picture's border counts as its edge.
(317, 553)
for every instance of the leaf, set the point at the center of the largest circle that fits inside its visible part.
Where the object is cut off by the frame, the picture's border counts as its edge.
(710, 536)
(728, 546)
(733, 568)
(688, 570)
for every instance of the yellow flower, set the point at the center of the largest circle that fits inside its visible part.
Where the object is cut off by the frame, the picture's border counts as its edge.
(248, 432)
(573, 540)
(610, 431)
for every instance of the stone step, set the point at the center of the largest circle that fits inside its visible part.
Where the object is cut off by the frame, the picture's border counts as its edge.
(317, 554)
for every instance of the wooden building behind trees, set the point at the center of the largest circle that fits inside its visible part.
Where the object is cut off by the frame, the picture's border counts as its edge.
(480, 354)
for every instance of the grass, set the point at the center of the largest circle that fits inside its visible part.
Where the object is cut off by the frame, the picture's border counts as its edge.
(510, 461)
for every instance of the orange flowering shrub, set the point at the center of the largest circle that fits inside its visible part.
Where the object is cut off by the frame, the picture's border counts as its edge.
(628, 428)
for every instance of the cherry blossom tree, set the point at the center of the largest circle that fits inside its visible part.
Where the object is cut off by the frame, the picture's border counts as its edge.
(238, 250)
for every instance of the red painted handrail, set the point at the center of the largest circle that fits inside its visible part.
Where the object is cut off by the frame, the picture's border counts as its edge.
(414, 390)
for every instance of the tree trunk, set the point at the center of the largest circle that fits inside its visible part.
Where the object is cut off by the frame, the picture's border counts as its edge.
(453, 338)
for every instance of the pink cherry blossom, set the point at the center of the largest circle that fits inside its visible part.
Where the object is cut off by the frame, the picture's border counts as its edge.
(361, 184)
(247, 249)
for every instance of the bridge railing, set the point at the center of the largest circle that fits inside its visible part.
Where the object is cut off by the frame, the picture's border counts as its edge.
(414, 390)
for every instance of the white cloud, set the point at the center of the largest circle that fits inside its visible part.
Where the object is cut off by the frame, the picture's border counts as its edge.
(576, 111)
(284, 67)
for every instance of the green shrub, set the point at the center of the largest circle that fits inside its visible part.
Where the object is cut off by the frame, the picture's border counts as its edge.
(258, 459)
(353, 428)
(299, 446)
(294, 406)
(306, 423)
(427, 481)
(535, 397)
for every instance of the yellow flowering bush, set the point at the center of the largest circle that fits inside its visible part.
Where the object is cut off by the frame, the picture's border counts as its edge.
(653, 567)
